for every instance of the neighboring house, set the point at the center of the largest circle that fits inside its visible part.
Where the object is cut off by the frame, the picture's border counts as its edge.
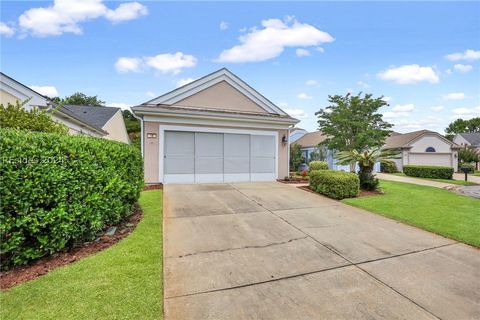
(214, 129)
(423, 147)
(102, 122)
(471, 139)
(296, 133)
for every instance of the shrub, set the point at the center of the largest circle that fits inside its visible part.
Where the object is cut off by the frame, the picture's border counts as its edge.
(388, 167)
(16, 117)
(58, 190)
(470, 166)
(335, 184)
(431, 172)
(318, 165)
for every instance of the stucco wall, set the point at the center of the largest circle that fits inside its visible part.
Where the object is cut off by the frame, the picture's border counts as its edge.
(430, 141)
(6, 97)
(116, 129)
(151, 149)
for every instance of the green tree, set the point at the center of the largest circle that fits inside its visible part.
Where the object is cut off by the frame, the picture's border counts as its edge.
(462, 126)
(366, 161)
(79, 98)
(16, 117)
(353, 123)
(296, 157)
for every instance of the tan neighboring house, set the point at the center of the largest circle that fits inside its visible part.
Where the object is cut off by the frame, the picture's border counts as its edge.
(215, 129)
(102, 122)
(423, 147)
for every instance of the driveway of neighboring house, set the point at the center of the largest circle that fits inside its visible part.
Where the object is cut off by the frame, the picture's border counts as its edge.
(270, 251)
(419, 181)
(461, 176)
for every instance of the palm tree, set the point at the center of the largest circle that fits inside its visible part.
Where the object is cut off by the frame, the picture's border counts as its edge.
(366, 161)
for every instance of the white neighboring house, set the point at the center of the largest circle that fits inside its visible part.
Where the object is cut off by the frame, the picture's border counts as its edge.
(102, 122)
(423, 147)
(296, 133)
(470, 139)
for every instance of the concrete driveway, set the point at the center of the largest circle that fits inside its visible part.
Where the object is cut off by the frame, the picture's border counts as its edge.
(270, 251)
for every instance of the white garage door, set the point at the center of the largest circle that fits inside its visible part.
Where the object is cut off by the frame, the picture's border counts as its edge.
(205, 157)
(430, 159)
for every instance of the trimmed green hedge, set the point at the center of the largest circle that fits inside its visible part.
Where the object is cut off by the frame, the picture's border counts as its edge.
(470, 166)
(431, 172)
(388, 167)
(317, 165)
(335, 184)
(57, 190)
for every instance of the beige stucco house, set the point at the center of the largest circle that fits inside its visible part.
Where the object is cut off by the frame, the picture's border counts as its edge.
(215, 129)
(104, 122)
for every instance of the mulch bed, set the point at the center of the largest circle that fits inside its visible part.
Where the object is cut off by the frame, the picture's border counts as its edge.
(153, 187)
(44, 265)
(292, 181)
(361, 194)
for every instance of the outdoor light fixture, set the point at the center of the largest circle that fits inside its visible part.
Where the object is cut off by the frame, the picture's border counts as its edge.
(284, 140)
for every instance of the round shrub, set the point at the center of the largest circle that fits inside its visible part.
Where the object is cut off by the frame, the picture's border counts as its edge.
(388, 167)
(57, 190)
(335, 184)
(431, 172)
(318, 165)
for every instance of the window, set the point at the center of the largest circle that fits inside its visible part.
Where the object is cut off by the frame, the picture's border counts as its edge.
(430, 149)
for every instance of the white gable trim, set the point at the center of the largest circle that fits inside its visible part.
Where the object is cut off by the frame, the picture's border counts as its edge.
(194, 87)
(22, 92)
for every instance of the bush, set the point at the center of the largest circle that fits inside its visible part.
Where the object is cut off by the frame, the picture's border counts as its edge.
(58, 190)
(335, 184)
(431, 172)
(318, 165)
(16, 117)
(388, 167)
(470, 166)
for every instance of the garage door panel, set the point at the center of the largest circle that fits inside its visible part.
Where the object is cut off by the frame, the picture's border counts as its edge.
(263, 146)
(237, 165)
(237, 145)
(181, 165)
(179, 143)
(208, 165)
(208, 144)
(430, 159)
(263, 165)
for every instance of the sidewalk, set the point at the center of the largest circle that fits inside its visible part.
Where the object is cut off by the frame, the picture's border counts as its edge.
(461, 176)
(419, 181)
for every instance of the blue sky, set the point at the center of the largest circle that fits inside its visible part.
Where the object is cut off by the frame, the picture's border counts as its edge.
(423, 56)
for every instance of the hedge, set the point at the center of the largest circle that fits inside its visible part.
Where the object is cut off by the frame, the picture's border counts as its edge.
(57, 190)
(335, 184)
(470, 166)
(317, 165)
(431, 172)
(388, 167)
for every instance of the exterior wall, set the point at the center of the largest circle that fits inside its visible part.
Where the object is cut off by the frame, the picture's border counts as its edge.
(221, 96)
(116, 129)
(461, 141)
(6, 97)
(74, 128)
(151, 149)
(442, 156)
(430, 141)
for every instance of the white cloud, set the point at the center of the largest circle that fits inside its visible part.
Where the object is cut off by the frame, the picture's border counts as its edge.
(300, 52)
(65, 16)
(391, 114)
(166, 63)
(463, 68)
(363, 84)
(404, 108)
(120, 105)
(409, 74)
(150, 94)
(387, 99)
(184, 81)
(468, 55)
(297, 113)
(126, 11)
(269, 41)
(466, 113)
(304, 96)
(437, 108)
(454, 96)
(449, 71)
(48, 91)
(431, 123)
(6, 30)
(311, 82)
(125, 64)
(320, 49)
(223, 25)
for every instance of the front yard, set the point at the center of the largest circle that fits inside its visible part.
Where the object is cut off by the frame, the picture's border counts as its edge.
(451, 181)
(122, 282)
(432, 209)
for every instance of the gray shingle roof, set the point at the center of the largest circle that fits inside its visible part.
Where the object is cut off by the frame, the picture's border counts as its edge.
(96, 116)
(472, 138)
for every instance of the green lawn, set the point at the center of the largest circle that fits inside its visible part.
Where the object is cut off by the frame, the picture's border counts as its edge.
(122, 282)
(451, 181)
(433, 209)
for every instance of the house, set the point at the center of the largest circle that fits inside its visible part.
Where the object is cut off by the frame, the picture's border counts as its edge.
(470, 139)
(102, 122)
(423, 147)
(296, 133)
(214, 129)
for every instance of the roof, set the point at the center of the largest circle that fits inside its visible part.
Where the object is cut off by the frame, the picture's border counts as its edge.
(297, 129)
(472, 137)
(15, 85)
(311, 139)
(96, 116)
(396, 140)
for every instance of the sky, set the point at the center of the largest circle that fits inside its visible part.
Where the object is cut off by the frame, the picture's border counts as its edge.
(423, 57)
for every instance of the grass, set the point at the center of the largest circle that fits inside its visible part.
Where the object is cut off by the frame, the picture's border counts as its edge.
(477, 173)
(429, 208)
(451, 181)
(122, 282)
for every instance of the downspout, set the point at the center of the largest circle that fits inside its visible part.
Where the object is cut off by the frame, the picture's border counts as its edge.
(141, 133)
(288, 152)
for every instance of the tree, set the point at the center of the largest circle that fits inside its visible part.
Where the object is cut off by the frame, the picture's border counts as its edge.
(353, 123)
(132, 125)
(366, 161)
(79, 98)
(296, 157)
(462, 126)
(16, 117)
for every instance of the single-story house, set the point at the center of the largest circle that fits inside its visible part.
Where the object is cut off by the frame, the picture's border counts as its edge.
(296, 133)
(105, 122)
(471, 140)
(423, 147)
(214, 129)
